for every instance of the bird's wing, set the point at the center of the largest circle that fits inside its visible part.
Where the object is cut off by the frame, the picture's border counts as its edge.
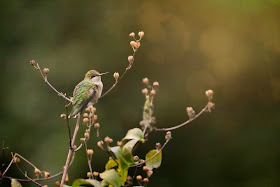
(82, 95)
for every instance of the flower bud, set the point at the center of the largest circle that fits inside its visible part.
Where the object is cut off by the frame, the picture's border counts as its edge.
(100, 144)
(46, 71)
(168, 135)
(87, 109)
(45, 186)
(95, 117)
(145, 80)
(135, 158)
(32, 62)
(132, 34)
(142, 123)
(47, 174)
(145, 180)
(130, 59)
(82, 140)
(158, 146)
(153, 92)
(93, 109)
(209, 94)
(74, 147)
(85, 115)
(88, 174)
(141, 34)
(119, 143)
(16, 159)
(63, 116)
(139, 178)
(191, 112)
(137, 45)
(132, 44)
(155, 84)
(95, 173)
(57, 183)
(97, 125)
(86, 135)
(85, 120)
(145, 168)
(37, 172)
(89, 152)
(66, 178)
(107, 139)
(129, 179)
(116, 75)
(149, 173)
(145, 91)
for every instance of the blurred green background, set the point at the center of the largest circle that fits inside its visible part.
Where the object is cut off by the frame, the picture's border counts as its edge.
(232, 47)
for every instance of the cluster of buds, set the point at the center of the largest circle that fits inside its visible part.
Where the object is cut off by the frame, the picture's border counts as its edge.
(135, 44)
(168, 136)
(209, 94)
(45, 71)
(149, 90)
(191, 112)
(89, 117)
(140, 180)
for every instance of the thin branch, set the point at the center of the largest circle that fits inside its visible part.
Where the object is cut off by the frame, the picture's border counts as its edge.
(117, 81)
(8, 167)
(67, 164)
(40, 179)
(185, 123)
(29, 179)
(89, 161)
(25, 174)
(36, 66)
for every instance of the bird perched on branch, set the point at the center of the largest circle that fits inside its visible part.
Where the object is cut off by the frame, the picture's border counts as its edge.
(87, 92)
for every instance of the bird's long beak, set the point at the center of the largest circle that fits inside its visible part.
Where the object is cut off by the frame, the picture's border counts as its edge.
(103, 73)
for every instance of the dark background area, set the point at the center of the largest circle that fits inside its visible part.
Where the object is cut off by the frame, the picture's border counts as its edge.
(232, 47)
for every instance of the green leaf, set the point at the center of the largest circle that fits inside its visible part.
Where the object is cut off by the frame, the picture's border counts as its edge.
(15, 183)
(125, 156)
(80, 182)
(132, 134)
(111, 163)
(127, 150)
(111, 177)
(153, 161)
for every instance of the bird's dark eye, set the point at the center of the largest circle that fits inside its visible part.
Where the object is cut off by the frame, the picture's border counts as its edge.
(92, 76)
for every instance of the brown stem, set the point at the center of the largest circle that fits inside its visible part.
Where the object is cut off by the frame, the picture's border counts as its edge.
(25, 174)
(185, 123)
(50, 85)
(70, 152)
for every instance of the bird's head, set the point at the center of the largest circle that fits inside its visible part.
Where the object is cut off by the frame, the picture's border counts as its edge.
(93, 74)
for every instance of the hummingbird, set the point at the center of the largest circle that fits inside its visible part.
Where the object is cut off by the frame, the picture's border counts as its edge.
(87, 92)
